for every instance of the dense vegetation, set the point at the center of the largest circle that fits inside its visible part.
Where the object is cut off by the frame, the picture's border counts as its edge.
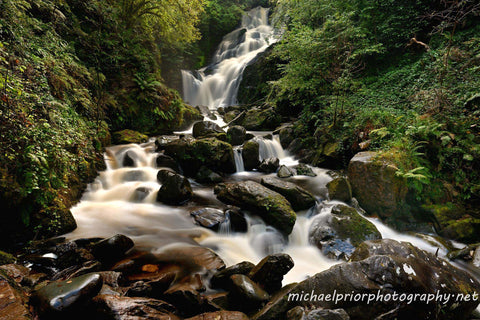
(399, 77)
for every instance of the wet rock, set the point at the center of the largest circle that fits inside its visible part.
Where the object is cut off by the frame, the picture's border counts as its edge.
(129, 159)
(236, 135)
(250, 155)
(286, 136)
(221, 279)
(128, 136)
(216, 301)
(185, 297)
(340, 189)
(140, 194)
(270, 270)
(195, 258)
(295, 147)
(297, 313)
(192, 154)
(269, 165)
(209, 217)
(13, 301)
(206, 111)
(139, 289)
(164, 161)
(157, 280)
(66, 295)
(299, 198)
(128, 308)
(272, 207)
(220, 315)
(326, 314)
(113, 248)
(33, 279)
(87, 267)
(205, 129)
(304, 170)
(135, 175)
(6, 258)
(382, 267)
(205, 175)
(369, 179)
(247, 295)
(261, 120)
(16, 272)
(236, 220)
(339, 232)
(175, 188)
(285, 172)
(278, 305)
(467, 253)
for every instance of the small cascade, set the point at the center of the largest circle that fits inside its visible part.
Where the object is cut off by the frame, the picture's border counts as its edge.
(270, 148)
(217, 85)
(237, 154)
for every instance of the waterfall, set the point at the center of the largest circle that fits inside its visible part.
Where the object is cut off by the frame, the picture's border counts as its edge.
(237, 153)
(217, 85)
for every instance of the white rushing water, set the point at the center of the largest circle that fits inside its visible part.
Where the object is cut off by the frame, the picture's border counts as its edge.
(123, 200)
(217, 85)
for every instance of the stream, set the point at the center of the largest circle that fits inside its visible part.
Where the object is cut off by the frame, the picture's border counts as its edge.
(123, 198)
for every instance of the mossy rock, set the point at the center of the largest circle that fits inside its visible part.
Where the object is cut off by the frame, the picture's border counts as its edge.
(453, 222)
(271, 206)
(340, 189)
(258, 119)
(6, 258)
(192, 154)
(339, 232)
(250, 155)
(129, 136)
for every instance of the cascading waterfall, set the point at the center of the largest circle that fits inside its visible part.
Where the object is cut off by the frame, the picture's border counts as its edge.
(217, 85)
(123, 200)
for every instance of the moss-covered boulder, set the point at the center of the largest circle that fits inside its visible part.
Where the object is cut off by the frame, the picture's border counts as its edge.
(453, 221)
(340, 189)
(271, 206)
(128, 136)
(337, 233)
(192, 154)
(251, 155)
(261, 119)
(203, 129)
(379, 190)
(236, 135)
(299, 198)
(6, 258)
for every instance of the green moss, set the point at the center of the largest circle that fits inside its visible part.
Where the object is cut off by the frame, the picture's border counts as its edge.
(6, 258)
(129, 136)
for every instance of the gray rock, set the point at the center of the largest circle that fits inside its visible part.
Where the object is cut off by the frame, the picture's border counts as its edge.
(285, 172)
(340, 189)
(299, 198)
(271, 206)
(304, 170)
(339, 232)
(269, 165)
(175, 188)
(206, 129)
(250, 155)
(209, 217)
(65, 295)
(236, 135)
(270, 270)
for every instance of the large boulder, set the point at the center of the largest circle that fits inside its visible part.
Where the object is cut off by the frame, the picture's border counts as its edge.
(379, 190)
(299, 198)
(337, 233)
(175, 188)
(206, 129)
(251, 155)
(236, 135)
(271, 206)
(258, 119)
(192, 154)
(386, 280)
(128, 136)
